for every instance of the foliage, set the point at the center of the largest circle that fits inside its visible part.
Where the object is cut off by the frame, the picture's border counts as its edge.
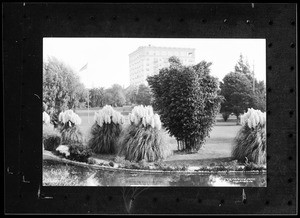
(61, 87)
(187, 100)
(51, 137)
(260, 96)
(70, 131)
(143, 95)
(91, 160)
(249, 166)
(96, 97)
(78, 152)
(69, 116)
(243, 67)
(131, 94)
(142, 139)
(114, 96)
(145, 116)
(250, 142)
(75, 152)
(46, 118)
(45, 107)
(237, 89)
(106, 130)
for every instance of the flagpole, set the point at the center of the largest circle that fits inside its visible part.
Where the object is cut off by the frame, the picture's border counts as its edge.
(88, 107)
(88, 103)
(253, 78)
(85, 67)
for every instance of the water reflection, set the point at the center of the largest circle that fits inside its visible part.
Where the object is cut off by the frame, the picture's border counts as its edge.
(85, 176)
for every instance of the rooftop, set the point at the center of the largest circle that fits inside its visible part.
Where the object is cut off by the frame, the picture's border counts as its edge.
(159, 47)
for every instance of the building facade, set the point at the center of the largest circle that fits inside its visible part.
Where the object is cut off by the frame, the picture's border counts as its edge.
(148, 60)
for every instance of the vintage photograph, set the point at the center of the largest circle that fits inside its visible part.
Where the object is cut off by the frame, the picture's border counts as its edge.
(154, 112)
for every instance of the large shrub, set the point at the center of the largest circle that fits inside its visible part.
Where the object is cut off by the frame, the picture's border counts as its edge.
(106, 130)
(70, 131)
(187, 100)
(142, 139)
(250, 142)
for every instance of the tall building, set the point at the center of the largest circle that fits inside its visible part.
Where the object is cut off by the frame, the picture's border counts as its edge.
(148, 60)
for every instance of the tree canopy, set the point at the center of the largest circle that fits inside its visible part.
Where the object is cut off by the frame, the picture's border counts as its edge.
(62, 88)
(187, 100)
(237, 89)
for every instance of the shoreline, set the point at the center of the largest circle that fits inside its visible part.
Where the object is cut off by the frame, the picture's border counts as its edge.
(48, 156)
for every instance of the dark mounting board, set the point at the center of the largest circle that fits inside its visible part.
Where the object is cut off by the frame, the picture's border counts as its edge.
(25, 25)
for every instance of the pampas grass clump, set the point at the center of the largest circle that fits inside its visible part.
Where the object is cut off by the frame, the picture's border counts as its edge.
(70, 131)
(106, 130)
(46, 118)
(250, 142)
(143, 139)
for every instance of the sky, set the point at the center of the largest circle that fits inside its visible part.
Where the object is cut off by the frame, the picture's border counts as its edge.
(108, 61)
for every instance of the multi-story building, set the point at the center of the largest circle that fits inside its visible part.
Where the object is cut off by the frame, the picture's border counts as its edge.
(148, 60)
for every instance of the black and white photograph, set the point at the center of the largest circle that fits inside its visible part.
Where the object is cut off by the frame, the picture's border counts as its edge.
(154, 112)
(186, 108)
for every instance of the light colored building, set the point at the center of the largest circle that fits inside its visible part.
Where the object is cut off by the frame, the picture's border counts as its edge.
(148, 60)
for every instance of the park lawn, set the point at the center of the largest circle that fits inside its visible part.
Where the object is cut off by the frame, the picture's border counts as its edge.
(217, 148)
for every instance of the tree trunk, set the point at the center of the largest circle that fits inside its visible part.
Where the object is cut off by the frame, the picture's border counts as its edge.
(238, 119)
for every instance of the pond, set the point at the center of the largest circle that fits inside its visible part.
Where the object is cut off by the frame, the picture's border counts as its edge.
(61, 174)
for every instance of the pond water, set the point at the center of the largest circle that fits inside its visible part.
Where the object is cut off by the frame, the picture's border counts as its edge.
(58, 174)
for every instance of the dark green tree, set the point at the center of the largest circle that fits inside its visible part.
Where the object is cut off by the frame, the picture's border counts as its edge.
(187, 100)
(237, 91)
(260, 96)
(143, 95)
(241, 91)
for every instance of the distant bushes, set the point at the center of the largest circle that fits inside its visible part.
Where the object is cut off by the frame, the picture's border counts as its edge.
(250, 142)
(106, 130)
(142, 139)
